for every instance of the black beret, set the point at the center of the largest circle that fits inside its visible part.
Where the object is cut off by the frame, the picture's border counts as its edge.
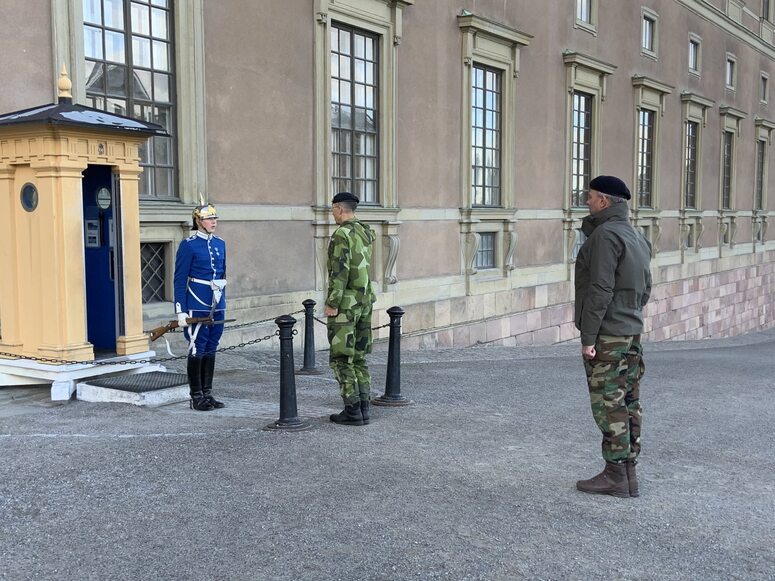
(610, 185)
(345, 197)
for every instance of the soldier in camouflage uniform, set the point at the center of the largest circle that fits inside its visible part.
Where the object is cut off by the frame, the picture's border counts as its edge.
(613, 284)
(348, 307)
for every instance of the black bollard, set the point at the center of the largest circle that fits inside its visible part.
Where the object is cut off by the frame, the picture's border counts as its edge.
(392, 396)
(309, 340)
(289, 418)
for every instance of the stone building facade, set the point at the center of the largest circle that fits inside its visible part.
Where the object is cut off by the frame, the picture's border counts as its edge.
(469, 128)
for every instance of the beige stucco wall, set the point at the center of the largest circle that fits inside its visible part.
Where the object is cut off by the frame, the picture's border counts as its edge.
(429, 115)
(258, 75)
(26, 66)
(276, 257)
(431, 249)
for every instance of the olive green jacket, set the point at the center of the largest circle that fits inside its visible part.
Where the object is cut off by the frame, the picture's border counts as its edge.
(613, 277)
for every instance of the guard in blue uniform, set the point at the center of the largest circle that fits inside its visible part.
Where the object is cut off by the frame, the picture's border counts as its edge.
(200, 278)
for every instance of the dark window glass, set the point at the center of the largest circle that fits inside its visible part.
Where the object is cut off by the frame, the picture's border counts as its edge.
(128, 47)
(354, 113)
(690, 194)
(153, 272)
(645, 157)
(761, 160)
(727, 153)
(486, 136)
(485, 254)
(647, 40)
(581, 147)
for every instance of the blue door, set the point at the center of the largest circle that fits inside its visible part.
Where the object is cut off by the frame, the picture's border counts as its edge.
(99, 202)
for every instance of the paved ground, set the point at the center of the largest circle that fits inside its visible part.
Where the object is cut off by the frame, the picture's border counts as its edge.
(475, 480)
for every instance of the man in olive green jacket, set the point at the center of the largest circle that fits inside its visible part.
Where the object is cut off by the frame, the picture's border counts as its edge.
(348, 307)
(613, 284)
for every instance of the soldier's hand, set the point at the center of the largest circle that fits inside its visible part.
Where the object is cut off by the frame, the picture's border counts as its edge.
(588, 351)
(330, 311)
(182, 320)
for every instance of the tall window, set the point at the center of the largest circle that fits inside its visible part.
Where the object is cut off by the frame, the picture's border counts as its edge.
(581, 147)
(730, 72)
(761, 160)
(764, 82)
(647, 33)
(645, 157)
(486, 136)
(727, 153)
(129, 71)
(690, 192)
(694, 55)
(766, 9)
(584, 11)
(354, 99)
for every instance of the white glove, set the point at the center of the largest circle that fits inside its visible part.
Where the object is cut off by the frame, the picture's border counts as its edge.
(182, 320)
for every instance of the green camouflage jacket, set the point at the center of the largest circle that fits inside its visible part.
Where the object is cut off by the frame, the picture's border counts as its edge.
(349, 258)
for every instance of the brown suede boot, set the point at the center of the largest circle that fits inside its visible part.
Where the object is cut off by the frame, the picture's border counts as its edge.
(612, 480)
(632, 478)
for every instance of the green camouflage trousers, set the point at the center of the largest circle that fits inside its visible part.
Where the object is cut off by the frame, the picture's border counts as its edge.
(349, 334)
(613, 377)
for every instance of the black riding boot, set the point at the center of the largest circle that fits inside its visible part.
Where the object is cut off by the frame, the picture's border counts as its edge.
(208, 370)
(198, 400)
(349, 416)
(365, 411)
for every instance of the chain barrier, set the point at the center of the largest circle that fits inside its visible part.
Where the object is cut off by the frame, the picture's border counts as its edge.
(177, 357)
(322, 322)
(241, 325)
(154, 359)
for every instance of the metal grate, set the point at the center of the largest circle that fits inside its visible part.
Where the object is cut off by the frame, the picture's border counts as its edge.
(141, 382)
(154, 270)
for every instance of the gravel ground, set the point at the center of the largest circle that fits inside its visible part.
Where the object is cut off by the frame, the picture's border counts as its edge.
(474, 480)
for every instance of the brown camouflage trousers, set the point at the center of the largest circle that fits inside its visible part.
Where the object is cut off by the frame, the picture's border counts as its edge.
(349, 334)
(613, 377)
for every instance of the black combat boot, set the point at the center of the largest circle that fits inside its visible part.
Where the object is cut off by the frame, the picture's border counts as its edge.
(365, 411)
(632, 478)
(349, 416)
(612, 480)
(198, 401)
(208, 370)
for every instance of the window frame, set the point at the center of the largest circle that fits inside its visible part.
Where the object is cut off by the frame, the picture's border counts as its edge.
(497, 126)
(354, 157)
(130, 32)
(730, 72)
(695, 111)
(386, 22)
(492, 250)
(651, 95)
(695, 64)
(731, 126)
(497, 47)
(580, 179)
(584, 74)
(641, 154)
(649, 16)
(764, 88)
(590, 23)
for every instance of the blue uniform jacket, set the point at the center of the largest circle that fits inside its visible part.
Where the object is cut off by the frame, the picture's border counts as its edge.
(200, 257)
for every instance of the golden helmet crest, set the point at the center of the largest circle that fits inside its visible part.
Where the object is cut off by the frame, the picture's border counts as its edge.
(204, 211)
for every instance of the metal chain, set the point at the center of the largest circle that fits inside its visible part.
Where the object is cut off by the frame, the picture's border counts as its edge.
(373, 328)
(137, 361)
(271, 320)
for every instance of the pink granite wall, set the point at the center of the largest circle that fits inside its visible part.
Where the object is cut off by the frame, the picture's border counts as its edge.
(710, 303)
